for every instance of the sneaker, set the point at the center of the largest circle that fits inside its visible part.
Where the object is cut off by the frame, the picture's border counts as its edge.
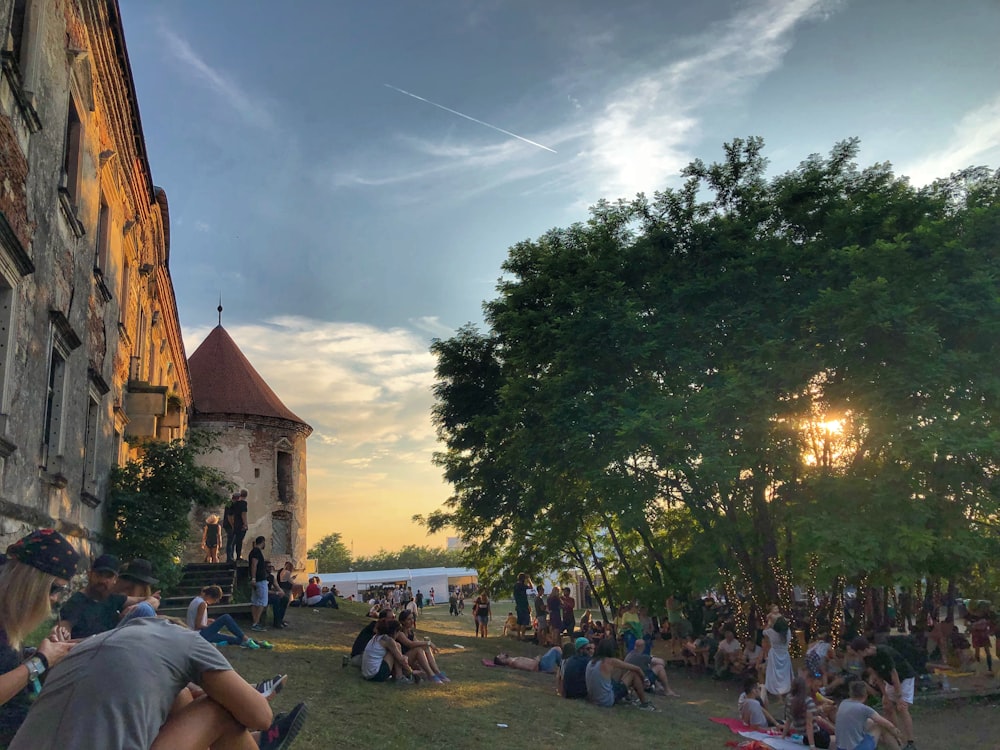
(271, 686)
(435, 678)
(910, 746)
(266, 645)
(646, 706)
(404, 680)
(444, 677)
(284, 729)
(220, 644)
(284, 624)
(251, 644)
(258, 628)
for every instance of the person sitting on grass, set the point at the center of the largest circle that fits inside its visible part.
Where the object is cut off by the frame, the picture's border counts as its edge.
(315, 596)
(860, 727)
(653, 668)
(727, 655)
(571, 679)
(419, 654)
(609, 678)
(92, 699)
(97, 608)
(510, 626)
(547, 662)
(210, 628)
(366, 634)
(383, 658)
(803, 718)
(751, 710)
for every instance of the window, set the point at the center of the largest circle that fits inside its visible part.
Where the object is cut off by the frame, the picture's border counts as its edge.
(64, 340)
(72, 153)
(55, 395)
(26, 33)
(281, 533)
(285, 484)
(90, 440)
(6, 321)
(103, 238)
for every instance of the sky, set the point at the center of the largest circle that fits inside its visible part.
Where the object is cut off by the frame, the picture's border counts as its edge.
(349, 176)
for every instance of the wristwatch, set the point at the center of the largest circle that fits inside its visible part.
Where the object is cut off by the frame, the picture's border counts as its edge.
(35, 670)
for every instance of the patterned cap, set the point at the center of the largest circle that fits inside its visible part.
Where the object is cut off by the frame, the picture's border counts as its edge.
(48, 551)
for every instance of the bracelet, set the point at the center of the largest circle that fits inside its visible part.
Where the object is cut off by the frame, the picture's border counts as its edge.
(45, 662)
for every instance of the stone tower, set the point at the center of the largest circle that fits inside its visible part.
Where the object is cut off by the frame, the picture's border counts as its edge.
(263, 445)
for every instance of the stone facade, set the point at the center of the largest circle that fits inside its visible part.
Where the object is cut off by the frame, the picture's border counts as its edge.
(250, 455)
(91, 356)
(262, 446)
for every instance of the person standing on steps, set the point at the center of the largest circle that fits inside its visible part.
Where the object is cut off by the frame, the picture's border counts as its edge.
(211, 537)
(227, 526)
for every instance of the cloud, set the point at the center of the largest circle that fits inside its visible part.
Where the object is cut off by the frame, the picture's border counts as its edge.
(248, 105)
(636, 131)
(974, 137)
(644, 135)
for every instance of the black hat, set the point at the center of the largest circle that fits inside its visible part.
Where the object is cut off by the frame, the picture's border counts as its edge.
(48, 551)
(139, 570)
(106, 562)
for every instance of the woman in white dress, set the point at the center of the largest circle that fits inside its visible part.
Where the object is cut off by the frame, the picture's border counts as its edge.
(778, 681)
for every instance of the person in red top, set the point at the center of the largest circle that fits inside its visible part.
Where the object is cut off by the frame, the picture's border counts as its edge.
(316, 598)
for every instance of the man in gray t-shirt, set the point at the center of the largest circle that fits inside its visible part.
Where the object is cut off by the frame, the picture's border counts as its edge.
(116, 690)
(860, 727)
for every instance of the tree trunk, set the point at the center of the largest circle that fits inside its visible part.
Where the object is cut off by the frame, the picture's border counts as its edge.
(604, 577)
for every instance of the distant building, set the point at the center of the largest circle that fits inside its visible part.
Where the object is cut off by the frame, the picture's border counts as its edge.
(455, 544)
(91, 356)
(263, 446)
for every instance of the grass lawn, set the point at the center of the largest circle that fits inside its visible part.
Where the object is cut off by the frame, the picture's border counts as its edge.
(346, 711)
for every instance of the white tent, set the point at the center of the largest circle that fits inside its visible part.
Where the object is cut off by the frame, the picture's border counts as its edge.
(419, 579)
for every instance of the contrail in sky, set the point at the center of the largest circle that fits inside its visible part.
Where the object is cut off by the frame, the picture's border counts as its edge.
(473, 119)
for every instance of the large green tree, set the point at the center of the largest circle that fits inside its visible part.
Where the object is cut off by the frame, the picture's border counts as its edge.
(331, 554)
(149, 500)
(685, 351)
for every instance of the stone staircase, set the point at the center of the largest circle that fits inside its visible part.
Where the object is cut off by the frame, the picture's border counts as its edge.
(198, 575)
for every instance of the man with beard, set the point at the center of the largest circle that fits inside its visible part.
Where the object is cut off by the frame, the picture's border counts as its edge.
(96, 609)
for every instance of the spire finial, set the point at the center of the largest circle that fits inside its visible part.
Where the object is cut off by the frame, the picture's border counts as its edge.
(219, 308)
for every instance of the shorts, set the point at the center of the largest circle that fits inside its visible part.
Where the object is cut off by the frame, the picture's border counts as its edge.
(820, 736)
(906, 687)
(523, 618)
(550, 660)
(258, 597)
(619, 689)
(383, 673)
(483, 619)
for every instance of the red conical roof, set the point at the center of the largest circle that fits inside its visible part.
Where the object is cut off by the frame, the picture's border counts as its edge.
(224, 382)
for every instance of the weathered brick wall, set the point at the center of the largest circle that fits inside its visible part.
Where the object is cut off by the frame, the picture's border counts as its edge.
(13, 188)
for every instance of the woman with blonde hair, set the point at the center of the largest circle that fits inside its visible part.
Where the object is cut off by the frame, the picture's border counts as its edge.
(211, 538)
(32, 578)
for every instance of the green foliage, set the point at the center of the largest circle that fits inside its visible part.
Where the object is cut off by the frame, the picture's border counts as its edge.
(149, 501)
(687, 351)
(410, 556)
(331, 554)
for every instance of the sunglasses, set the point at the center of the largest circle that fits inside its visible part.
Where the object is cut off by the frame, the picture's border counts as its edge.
(58, 589)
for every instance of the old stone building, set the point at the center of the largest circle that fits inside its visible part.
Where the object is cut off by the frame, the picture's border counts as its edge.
(263, 445)
(91, 356)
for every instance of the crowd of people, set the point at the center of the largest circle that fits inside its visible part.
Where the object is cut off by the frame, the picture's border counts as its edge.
(106, 635)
